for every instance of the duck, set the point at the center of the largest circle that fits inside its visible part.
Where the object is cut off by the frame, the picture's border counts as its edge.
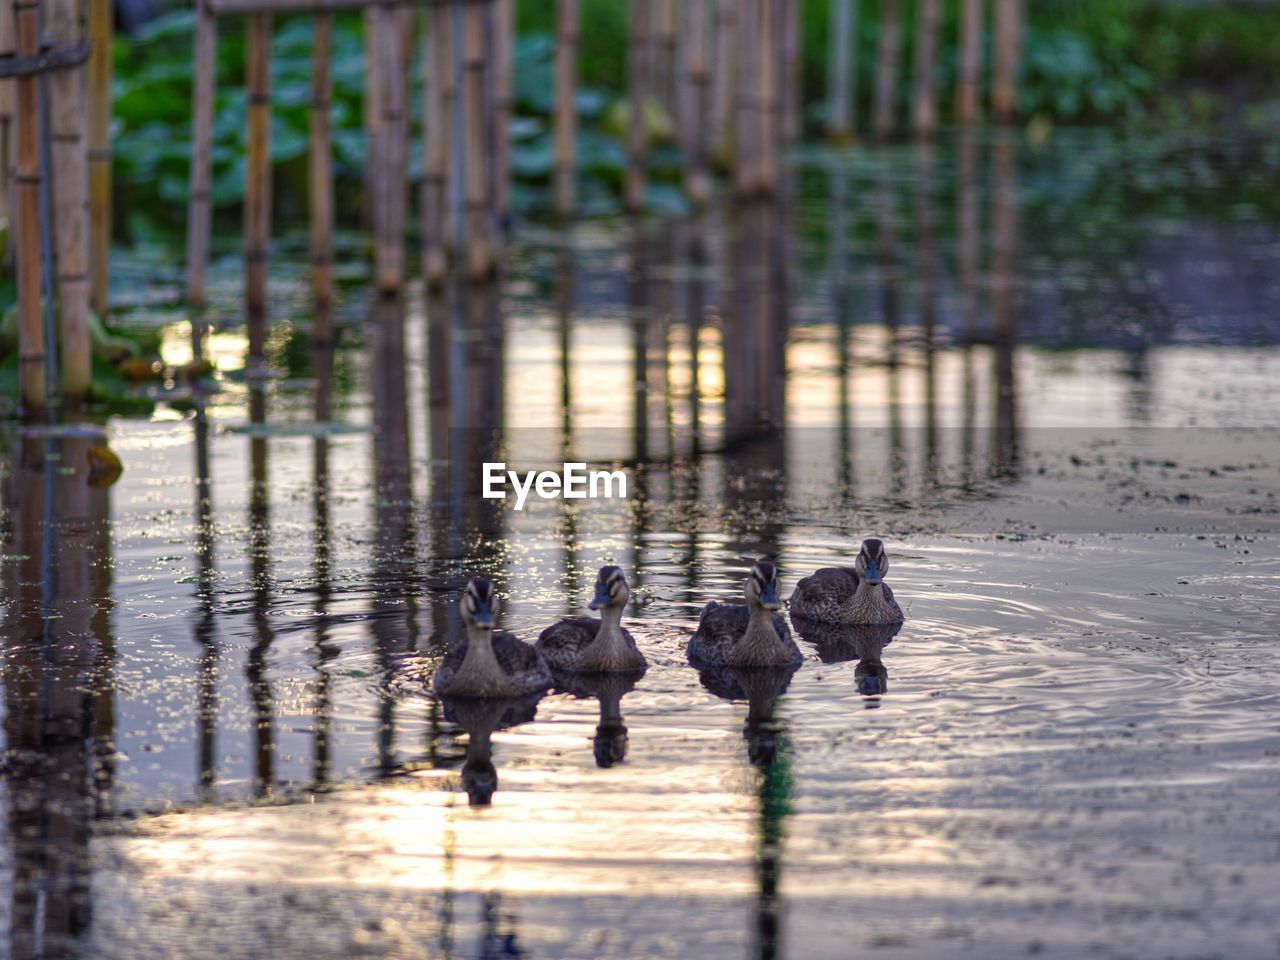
(844, 595)
(746, 635)
(489, 663)
(587, 645)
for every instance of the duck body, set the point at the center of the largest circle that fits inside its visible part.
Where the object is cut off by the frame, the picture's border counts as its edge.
(850, 596)
(523, 670)
(724, 628)
(595, 646)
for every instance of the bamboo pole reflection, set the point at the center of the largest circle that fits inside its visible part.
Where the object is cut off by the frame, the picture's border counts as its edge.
(564, 300)
(927, 245)
(260, 585)
(325, 651)
(842, 311)
(1004, 304)
(891, 317)
(969, 265)
(205, 624)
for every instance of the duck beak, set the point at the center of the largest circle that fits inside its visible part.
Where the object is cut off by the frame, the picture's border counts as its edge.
(602, 598)
(484, 616)
(769, 598)
(873, 572)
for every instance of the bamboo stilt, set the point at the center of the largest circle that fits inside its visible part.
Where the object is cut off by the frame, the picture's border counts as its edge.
(504, 40)
(924, 106)
(694, 101)
(724, 78)
(478, 220)
(199, 203)
(27, 177)
(101, 27)
(320, 173)
(886, 94)
(840, 65)
(789, 71)
(257, 197)
(638, 92)
(7, 96)
(435, 141)
(566, 113)
(372, 113)
(769, 103)
(663, 62)
(389, 153)
(70, 203)
(746, 144)
(969, 81)
(1008, 55)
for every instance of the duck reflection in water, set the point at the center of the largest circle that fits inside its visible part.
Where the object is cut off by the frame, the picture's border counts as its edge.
(610, 741)
(480, 718)
(862, 643)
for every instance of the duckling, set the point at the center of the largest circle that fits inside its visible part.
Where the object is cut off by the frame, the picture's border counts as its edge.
(734, 635)
(849, 596)
(595, 646)
(489, 663)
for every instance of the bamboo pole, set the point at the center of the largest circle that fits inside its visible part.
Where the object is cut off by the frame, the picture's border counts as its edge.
(663, 61)
(27, 178)
(724, 77)
(1004, 89)
(969, 82)
(746, 144)
(694, 102)
(769, 109)
(479, 248)
(372, 114)
(504, 29)
(101, 26)
(257, 198)
(565, 120)
(789, 71)
(638, 93)
(389, 151)
(455, 186)
(70, 203)
(840, 66)
(435, 141)
(7, 96)
(924, 108)
(886, 94)
(320, 171)
(199, 203)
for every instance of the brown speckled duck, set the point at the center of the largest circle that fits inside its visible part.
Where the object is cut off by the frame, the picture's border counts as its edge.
(490, 663)
(848, 596)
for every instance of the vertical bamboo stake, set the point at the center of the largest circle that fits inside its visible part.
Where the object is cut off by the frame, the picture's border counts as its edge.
(435, 140)
(969, 83)
(320, 170)
(693, 114)
(7, 94)
(479, 250)
(31, 345)
(638, 92)
(70, 203)
(769, 103)
(372, 113)
(789, 70)
(924, 110)
(257, 197)
(504, 40)
(887, 68)
(663, 62)
(1004, 90)
(840, 65)
(389, 148)
(199, 202)
(747, 86)
(566, 112)
(101, 24)
(968, 234)
(724, 78)
(455, 189)
(1004, 300)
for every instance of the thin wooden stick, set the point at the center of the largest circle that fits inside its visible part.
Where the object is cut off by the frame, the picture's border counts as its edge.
(7, 95)
(479, 249)
(1004, 90)
(694, 102)
(257, 199)
(969, 84)
(924, 109)
(504, 43)
(840, 72)
(769, 105)
(638, 93)
(435, 141)
(372, 114)
(663, 58)
(101, 25)
(320, 171)
(724, 78)
(70, 203)
(789, 71)
(887, 68)
(389, 149)
(199, 203)
(746, 143)
(29, 261)
(566, 112)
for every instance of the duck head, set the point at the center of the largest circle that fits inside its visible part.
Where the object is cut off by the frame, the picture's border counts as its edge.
(479, 607)
(761, 589)
(612, 589)
(872, 563)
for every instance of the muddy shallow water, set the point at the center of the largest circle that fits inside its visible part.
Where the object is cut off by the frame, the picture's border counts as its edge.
(218, 736)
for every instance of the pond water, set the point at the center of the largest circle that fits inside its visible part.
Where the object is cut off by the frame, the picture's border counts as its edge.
(1048, 378)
